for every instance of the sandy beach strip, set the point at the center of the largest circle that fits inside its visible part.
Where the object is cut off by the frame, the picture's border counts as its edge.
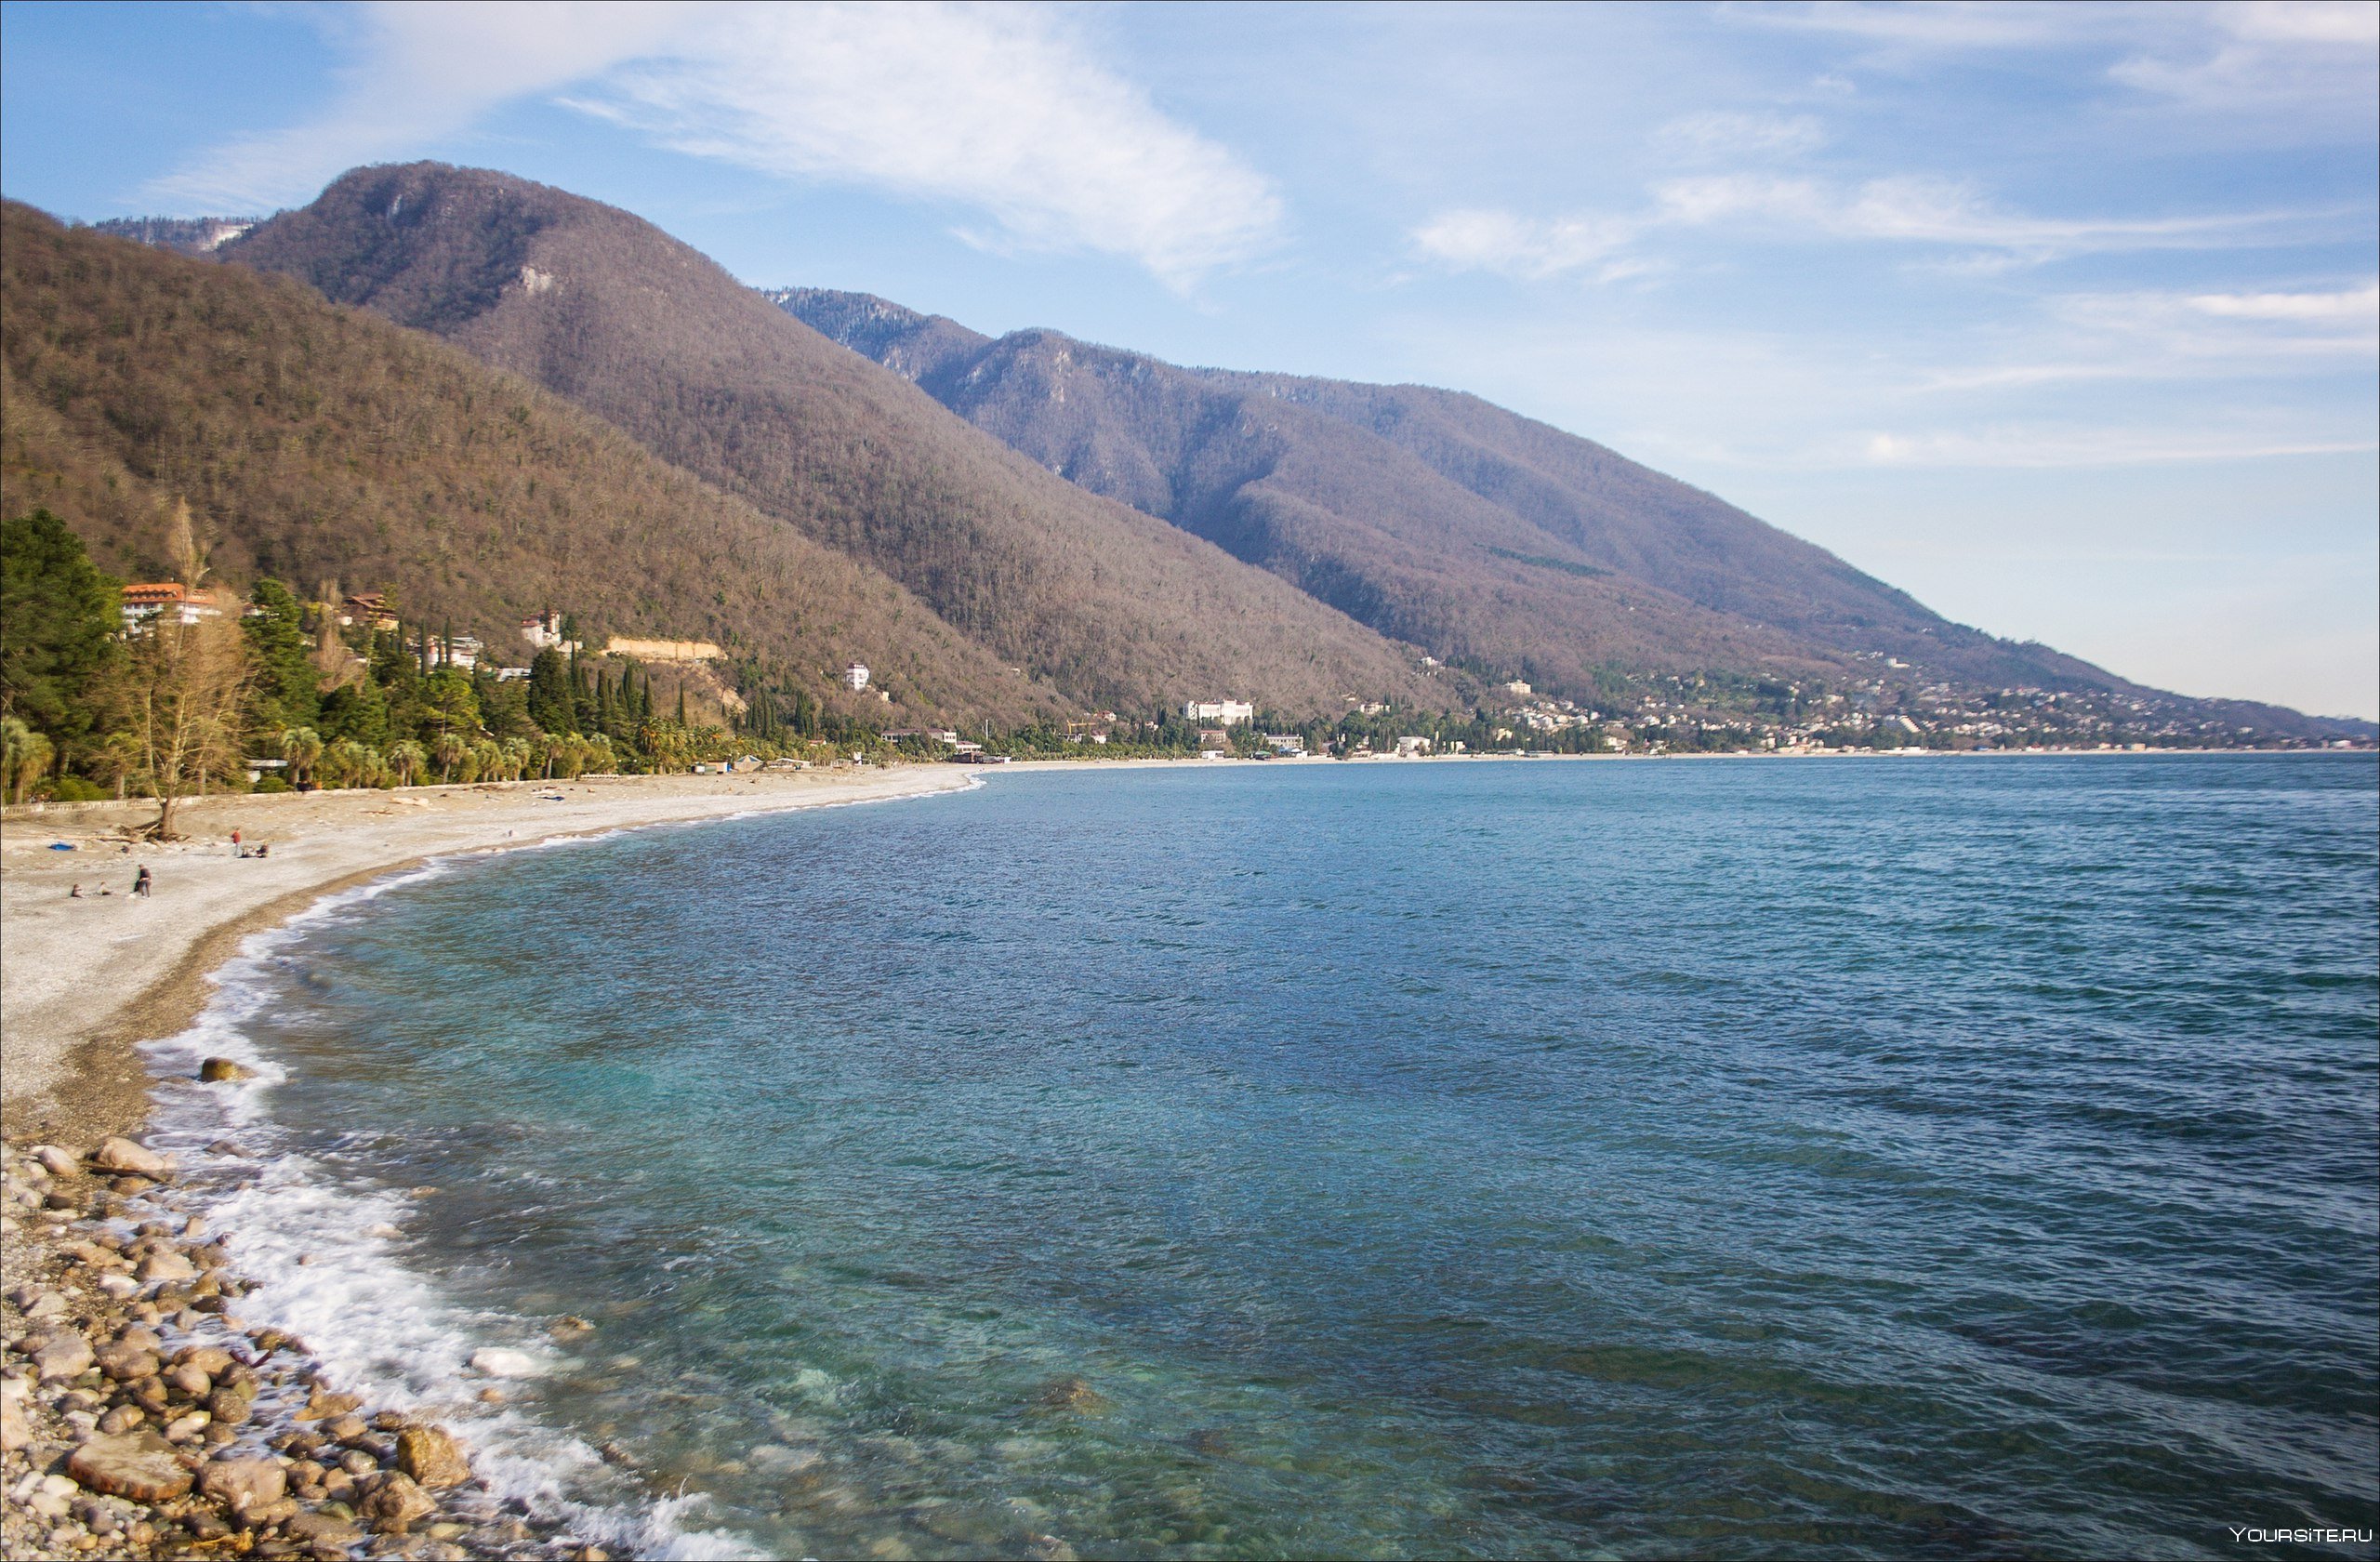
(85, 980)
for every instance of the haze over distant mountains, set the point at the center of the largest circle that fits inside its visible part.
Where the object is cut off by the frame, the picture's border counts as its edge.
(1094, 526)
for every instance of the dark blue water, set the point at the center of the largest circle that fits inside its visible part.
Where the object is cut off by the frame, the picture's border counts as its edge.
(1909, 1158)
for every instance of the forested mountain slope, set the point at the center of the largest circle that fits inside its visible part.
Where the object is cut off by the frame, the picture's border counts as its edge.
(1108, 603)
(1442, 519)
(321, 442)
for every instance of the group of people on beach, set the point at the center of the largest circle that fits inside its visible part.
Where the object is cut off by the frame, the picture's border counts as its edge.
(141, 883)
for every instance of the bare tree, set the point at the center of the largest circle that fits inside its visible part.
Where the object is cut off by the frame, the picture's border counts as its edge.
(184, 684)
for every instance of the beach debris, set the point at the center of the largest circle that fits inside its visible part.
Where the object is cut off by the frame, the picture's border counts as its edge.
(431, 1457)
(572, 1327)
(497, 1361)
(223, 1070)
(140, 1465)
(122, 1155)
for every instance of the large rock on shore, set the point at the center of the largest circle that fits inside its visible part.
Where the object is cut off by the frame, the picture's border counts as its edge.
(243, 1485)
(397, 1504)
(14, 1430)
(431, 1457)
(139, 1465)
(222, 1070)
(126, 1159)
(62, 1355)
(167, 1264)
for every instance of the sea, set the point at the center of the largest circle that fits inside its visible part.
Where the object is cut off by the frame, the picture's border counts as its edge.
(1889, 1158)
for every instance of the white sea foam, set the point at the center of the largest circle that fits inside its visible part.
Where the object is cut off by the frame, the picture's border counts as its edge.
(326, 1261)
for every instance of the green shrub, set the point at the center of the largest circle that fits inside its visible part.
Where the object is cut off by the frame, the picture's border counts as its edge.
(270, 784)
(74, 789)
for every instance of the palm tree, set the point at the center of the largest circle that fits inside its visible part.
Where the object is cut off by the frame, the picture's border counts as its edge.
(487, 760)
(405, 761)
(301, 747)
(451, 751)
(343, 763)
(517, 757)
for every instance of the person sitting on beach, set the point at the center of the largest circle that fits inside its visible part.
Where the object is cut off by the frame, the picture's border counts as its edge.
(263, 848)
(74, 893)
(140, 882)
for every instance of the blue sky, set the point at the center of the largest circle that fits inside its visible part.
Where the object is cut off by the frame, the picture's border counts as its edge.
(2062, 317)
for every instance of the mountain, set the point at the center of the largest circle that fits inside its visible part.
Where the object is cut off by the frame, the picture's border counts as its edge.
(1442, 520)
(1110, 604)
(320, 443)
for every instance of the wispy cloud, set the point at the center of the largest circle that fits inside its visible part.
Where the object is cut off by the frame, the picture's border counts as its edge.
(1940, 213)
(419, 73)
(994, 108)
(1729, 136)
(1001, 112)
(2065, 445)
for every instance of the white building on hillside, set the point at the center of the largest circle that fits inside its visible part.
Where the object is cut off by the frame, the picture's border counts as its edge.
(165, 598)
(544, 631)
(855, 676)
(1225, 713)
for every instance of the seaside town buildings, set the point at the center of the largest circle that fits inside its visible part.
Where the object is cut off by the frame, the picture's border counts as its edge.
(145, 604)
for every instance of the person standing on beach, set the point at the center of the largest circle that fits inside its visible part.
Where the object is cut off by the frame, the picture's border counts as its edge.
(235, 843)
(140, 882)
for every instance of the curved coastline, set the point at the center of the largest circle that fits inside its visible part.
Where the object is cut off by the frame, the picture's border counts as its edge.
(97, 981)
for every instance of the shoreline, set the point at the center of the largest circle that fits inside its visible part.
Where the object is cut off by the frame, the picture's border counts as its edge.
(90, 980)
(116, 1314)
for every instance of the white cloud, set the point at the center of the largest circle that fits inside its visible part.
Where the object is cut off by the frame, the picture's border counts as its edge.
(1513, 245)
(994, 107)
(1728, 136)
(422, 73)
(1001, 110)
(2064, 446)
(2358, 307)
(1919, 211)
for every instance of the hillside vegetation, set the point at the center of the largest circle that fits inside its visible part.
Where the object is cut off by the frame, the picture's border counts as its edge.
(1110, 604)
(317, 443)
(1442, 520)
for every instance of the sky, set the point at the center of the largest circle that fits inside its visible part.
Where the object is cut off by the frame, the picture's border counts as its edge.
(2062, 318)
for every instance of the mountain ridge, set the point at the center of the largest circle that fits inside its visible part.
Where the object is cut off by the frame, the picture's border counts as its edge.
(1110, 604)
(1340, 481)
(318, 442)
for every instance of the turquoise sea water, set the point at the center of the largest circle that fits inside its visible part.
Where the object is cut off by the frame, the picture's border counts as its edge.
(1907, 1158)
